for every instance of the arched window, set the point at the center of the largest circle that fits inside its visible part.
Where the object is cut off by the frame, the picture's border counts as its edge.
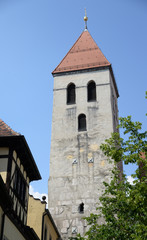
(91, 91)
(82, 122)
(71, 96)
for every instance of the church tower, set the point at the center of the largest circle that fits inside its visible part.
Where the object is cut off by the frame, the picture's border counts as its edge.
(85, 113)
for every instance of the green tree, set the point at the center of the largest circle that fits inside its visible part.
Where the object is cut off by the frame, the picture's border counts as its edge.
(123, 205)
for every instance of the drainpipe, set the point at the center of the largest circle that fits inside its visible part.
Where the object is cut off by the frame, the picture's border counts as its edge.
(42, 235)
(42, 230)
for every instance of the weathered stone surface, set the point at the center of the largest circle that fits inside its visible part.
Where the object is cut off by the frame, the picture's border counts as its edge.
(74, 209)
(66, 223)
(80, 230)
(85, 223)
(64, 203)
(63, 230)
(90, 201)
(72, 184)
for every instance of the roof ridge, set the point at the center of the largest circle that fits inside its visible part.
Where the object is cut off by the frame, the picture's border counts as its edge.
(6, 130)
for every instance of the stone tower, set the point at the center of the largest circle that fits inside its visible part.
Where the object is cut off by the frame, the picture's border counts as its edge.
(84, 114)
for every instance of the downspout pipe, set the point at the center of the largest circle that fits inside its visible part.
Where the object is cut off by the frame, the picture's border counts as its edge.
(42, 230)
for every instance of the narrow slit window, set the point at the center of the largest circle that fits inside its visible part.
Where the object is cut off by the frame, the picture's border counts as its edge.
(71, 95)
(91, 91)
(81, 208)
(82, 122)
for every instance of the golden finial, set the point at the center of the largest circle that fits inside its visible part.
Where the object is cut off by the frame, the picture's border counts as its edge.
(85, 19)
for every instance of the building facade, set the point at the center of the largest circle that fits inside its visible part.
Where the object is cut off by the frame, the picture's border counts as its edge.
(21, 216)
(17, 170)
(40, 219)
(85, 113)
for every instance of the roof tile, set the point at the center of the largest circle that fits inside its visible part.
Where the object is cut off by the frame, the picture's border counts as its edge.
(84, 54)
(5, 130)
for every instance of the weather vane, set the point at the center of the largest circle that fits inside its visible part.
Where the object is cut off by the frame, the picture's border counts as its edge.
(85, 19)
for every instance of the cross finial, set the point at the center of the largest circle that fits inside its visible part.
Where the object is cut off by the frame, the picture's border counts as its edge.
(85, 19)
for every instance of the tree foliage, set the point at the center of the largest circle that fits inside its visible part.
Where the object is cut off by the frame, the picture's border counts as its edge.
(123, 205)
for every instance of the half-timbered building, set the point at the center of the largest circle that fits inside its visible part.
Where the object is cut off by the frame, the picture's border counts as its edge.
(17, 170)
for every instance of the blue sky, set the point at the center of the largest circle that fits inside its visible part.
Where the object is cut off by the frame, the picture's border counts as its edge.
(34, 37)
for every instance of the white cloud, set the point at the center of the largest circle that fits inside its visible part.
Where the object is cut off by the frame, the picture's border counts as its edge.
(37, 194)
(130, 179)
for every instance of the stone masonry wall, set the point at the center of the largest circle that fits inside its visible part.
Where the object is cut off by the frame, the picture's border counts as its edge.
(77, 165)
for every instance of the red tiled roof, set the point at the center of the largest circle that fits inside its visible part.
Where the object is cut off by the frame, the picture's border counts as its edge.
(5, 130)
(12, 139)
(84, 54)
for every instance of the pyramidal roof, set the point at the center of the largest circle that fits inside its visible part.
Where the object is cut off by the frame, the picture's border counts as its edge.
(84, 54)
(5, 130)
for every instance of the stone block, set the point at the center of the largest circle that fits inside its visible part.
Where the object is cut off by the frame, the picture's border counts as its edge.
(74, 209)
(73, 222)
(65, 224)
(80, 230)
(59, 210)
(74, 182)
(52, 210)
(89, 200)
(65, 203)
(85, 223)
(64, 230)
